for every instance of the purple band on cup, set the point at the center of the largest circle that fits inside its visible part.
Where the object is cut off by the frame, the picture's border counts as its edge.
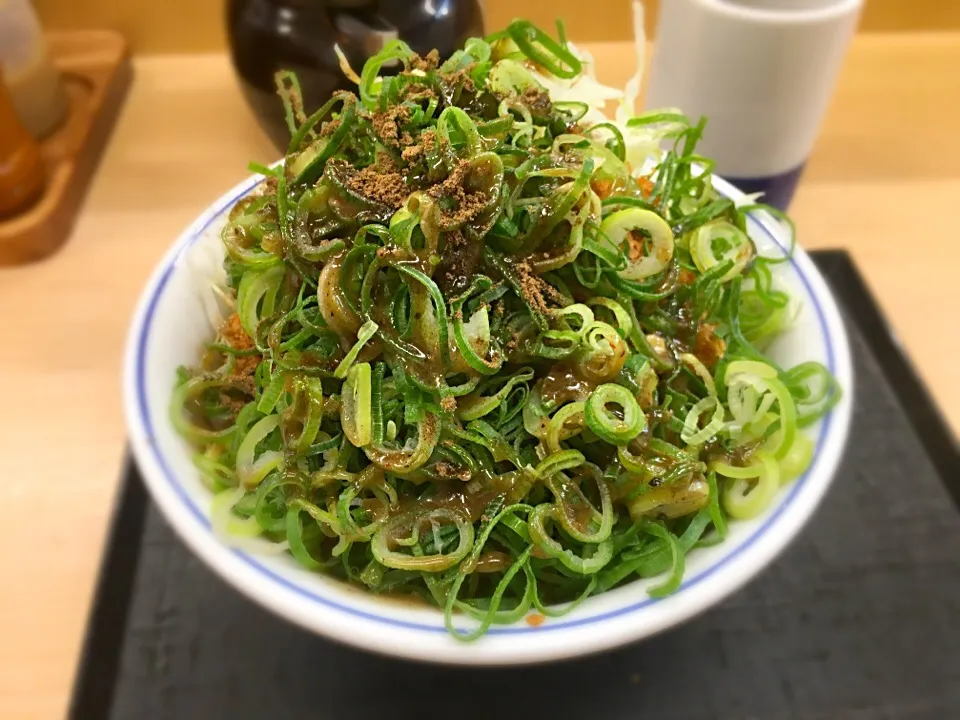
(777, 189)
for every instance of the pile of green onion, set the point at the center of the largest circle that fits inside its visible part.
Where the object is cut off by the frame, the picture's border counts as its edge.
(481, 356)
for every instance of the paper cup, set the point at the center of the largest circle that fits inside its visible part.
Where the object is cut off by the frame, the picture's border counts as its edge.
(761, 71)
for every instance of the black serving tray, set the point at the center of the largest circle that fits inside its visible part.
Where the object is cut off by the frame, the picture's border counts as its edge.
(860, 618)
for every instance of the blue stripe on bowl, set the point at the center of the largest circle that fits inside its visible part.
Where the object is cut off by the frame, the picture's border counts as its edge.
(274, 577)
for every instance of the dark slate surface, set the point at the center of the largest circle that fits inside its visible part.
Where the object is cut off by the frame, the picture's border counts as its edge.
(860, 618)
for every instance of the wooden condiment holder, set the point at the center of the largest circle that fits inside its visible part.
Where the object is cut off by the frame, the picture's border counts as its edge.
(96, 70)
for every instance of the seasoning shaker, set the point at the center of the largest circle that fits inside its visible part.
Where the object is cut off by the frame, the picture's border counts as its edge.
(34, 84)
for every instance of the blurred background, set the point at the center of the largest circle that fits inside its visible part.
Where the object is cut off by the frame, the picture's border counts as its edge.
(159, 27)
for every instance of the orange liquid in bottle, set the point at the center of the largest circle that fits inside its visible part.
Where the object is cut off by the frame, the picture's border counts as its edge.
(21, 168)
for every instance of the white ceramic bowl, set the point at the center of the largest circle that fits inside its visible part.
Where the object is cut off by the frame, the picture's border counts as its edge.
(169, 329)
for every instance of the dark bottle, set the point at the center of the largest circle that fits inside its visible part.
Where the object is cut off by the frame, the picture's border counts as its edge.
(299, 35)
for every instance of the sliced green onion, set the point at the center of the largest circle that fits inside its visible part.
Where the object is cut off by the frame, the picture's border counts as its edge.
(473, 336)
(738, 248)
(507, 516)
(411, 523)
(401, 461)
(307, 165)
(764, 377)
(454, 117)
(558, 462)
(797, 458)
(660, 117)
(716, 513)
(553, 610)
(233, 235)
(439, 305)
(187, 391)
(497, 445)
(251, 469)
(295, 537)
(556, 344)
(510, 78)
(602, 353)
(369, 80)
(812, 404)
(615, 144)
(478, 404)
(692, 434)
(355, 401)
(580, 313)
(307, 411)
(272, 393)
(467, 306)
(256, 296)
(595, 557)
(615, 429)
(565, 423)
(544, 50)
(701, 371)
(492, 613)
(225, 522)
(215, 474)
(672, 583)
(571, 505)
(742, 499)
(288, 88)
(617, 228)
(575, 109)
(624, 323)
(367, 331)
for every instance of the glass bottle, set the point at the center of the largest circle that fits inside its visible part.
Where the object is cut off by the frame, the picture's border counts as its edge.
(299, 35)
(21, 168)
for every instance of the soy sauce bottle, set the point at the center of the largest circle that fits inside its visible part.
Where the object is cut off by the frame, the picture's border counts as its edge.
(299, 35)
(21, 167)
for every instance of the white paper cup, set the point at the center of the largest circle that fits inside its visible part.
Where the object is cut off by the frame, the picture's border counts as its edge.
(761, 71)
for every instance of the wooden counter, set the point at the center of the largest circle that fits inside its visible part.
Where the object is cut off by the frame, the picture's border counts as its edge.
(883, 182)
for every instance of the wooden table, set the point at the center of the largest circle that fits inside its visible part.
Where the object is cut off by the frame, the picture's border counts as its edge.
(883, 182)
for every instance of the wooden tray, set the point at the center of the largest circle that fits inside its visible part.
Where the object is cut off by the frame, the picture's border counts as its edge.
(96, 70)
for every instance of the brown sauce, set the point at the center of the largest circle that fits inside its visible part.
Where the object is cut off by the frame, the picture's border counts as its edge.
(493, 561)
(738, 457)
(563, 384)
(451, 497)
(338, 315)
(575, 504)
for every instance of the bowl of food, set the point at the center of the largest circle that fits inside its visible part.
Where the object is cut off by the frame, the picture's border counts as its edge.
(476, 375)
